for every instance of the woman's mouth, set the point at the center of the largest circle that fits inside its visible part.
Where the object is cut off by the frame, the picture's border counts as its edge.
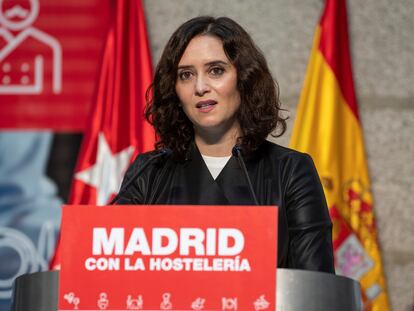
(206, 105)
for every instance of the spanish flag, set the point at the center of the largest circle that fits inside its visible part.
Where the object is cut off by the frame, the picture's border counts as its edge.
(328, 127)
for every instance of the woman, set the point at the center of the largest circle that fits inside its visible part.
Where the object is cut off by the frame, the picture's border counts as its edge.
(213, 90)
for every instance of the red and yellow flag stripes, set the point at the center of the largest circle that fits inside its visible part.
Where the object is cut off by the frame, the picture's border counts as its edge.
(327, 127)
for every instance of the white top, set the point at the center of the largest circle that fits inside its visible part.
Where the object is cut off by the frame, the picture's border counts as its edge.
(215, 164)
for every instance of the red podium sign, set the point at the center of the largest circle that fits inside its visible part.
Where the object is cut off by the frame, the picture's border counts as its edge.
(168, 258)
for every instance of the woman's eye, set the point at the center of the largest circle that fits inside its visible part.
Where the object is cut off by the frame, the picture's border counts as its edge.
(184, 75)
(217, 71)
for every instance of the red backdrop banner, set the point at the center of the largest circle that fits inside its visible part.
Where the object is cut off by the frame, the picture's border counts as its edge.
(50, 54)
(168, 258)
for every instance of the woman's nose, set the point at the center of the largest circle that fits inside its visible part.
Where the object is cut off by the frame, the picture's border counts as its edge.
(202, 86)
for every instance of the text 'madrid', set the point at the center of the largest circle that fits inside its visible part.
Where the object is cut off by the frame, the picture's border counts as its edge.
(166, 249)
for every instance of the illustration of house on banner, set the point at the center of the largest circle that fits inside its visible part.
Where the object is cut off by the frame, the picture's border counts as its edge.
(30, 59)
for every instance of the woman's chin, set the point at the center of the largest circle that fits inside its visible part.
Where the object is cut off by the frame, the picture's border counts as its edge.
(216, 127)
(209, 124)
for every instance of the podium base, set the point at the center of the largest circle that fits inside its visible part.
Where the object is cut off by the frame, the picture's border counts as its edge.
(297, 290)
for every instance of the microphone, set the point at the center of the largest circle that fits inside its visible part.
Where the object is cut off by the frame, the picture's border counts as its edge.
(163, 152)
(236, 151)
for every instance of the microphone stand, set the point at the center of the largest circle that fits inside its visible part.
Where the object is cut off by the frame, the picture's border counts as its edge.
(163, 152)
(236, 151)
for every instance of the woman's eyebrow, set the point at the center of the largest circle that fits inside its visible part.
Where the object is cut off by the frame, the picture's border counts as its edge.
(185, 67)
(216, 62)
(209, 64)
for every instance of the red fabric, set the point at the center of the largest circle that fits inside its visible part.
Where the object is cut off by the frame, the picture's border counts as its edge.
(118, 113)
(334, 45)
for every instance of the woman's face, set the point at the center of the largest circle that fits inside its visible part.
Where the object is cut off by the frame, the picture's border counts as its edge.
(207, 86)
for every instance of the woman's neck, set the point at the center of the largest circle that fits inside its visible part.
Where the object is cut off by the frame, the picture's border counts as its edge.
(217, 144)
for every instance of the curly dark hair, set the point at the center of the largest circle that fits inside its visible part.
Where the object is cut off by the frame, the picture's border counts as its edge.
(259, 112)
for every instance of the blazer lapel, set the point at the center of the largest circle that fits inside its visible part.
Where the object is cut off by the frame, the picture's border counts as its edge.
(194, 183)
(234, 184)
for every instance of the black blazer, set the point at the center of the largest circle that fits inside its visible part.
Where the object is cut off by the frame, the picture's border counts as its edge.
(280, 176)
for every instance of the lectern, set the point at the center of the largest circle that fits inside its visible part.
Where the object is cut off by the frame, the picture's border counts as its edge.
(297, 290)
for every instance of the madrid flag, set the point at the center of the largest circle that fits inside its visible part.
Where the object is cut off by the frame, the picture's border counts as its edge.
(328, 127)
(117, 130)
